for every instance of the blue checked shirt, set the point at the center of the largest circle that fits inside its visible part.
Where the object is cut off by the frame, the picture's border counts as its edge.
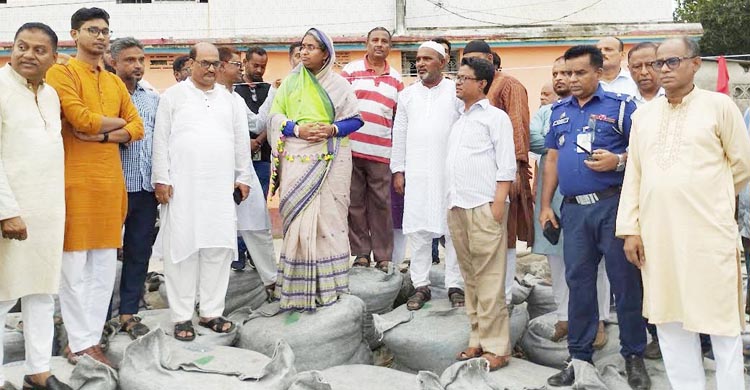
(136, 156)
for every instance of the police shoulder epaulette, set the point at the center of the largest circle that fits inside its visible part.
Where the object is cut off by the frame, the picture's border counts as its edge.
(619, 96)
(561, 102)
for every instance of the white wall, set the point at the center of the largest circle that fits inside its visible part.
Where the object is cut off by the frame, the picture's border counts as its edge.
(287, 18)
(424, 13)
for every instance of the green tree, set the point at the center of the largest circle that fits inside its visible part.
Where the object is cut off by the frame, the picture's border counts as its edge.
(726, 24)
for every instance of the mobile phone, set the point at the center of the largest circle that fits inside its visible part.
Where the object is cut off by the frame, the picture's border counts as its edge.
(551, 233)
(237, 196)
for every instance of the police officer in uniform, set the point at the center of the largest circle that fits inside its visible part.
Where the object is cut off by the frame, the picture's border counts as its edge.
(587, 148)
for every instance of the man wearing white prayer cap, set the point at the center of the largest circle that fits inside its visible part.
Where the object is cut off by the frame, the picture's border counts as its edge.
(426, 112)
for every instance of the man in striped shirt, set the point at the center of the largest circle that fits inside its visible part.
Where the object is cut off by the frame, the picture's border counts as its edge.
(377, 85)
(128, 59)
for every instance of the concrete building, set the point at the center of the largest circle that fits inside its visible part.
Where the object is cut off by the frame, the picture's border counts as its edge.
(528, 35)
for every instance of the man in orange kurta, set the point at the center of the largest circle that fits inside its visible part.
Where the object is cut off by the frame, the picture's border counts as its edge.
(509, 95)
(98, 118)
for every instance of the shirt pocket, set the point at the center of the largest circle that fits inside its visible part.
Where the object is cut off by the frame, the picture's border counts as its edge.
(606, 135)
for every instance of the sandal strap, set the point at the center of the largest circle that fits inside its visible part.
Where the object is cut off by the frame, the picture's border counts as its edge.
(217, 324)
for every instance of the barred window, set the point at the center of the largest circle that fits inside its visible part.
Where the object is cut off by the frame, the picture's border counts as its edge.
(409, 63)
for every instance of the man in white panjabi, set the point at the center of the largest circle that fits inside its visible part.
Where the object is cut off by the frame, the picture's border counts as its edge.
(32, 198)
(689, 157)
(200, 155)
(253, 221)
(426, 112)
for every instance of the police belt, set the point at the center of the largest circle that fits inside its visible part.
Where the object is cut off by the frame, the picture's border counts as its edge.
(593, 197)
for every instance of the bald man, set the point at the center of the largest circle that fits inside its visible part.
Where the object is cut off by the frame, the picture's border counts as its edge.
(200, 154)
(615, 78)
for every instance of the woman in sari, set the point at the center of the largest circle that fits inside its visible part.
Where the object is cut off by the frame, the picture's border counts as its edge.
(312, 114)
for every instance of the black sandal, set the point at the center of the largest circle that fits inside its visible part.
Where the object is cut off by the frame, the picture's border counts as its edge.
(418, 299)
(217, 325)
(184, 327)
(382, 265)
(361, 261)
(134, 328)
(457, 297)
(270, 292)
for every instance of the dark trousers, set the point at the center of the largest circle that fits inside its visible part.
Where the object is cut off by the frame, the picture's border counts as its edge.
(589, 235)
(263, 170)
(370, 218)
(136, 248)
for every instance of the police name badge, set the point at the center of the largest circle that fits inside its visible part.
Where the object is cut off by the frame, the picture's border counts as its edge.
(561, 121)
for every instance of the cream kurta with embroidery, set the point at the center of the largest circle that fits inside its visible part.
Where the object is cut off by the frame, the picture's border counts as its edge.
(686, 164)
(32, 186)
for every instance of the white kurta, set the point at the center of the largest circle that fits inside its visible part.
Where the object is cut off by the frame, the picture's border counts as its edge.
(420, 146)
(252, 213)
(686, 164)
(32, 186)
(201, 149)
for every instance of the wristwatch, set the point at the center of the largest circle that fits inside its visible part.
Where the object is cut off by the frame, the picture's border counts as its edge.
(620, 163)
(105, 139)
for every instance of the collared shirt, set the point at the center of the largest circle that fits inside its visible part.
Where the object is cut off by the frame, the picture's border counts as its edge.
(597, 120)
(623, 83)
(640, 100)
(136, 156)
(480, 154)
(377, 96)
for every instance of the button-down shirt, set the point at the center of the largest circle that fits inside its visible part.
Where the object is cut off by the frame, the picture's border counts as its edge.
(623, 83)
(599, 116)
(480, 154)
(640, 100)
(136, 156)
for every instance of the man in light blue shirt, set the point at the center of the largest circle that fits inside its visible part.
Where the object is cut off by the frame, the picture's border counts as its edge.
(615, 78)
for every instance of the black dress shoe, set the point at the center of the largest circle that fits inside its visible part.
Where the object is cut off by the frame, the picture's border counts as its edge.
(637, 375)
(52, 383)
(566, 377)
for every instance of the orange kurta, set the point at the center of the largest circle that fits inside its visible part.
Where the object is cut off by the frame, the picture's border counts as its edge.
(95, 197)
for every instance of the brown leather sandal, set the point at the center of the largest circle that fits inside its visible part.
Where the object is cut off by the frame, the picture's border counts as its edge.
(382, 265)
(418, 299)
(361, 261)
(469, 353)
(496, 362)
(457, 297)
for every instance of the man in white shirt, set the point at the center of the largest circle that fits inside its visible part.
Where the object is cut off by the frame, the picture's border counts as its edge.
(32, 199)
(640, 63)
(480, 168)
(615, 78)
(426, 112)
(200, 155)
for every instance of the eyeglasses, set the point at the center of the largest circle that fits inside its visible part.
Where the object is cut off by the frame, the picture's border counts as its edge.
(235, 63)
(95, 31)
(672, 63)
(207, 64)
(462, 78)
(310, 47)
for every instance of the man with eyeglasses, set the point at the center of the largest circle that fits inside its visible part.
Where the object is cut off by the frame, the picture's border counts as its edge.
(586, 151)
(200, 155)
(509, 95)
(98, 117)
(689, 157)
(640, 63)
(480, 167)
(253, 221)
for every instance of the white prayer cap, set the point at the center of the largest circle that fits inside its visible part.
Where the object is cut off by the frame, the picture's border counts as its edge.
(434, 46)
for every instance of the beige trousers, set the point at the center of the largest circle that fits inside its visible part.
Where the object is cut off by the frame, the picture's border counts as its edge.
(481, 245)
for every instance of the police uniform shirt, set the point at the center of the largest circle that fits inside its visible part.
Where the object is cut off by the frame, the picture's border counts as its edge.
(602, 123)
